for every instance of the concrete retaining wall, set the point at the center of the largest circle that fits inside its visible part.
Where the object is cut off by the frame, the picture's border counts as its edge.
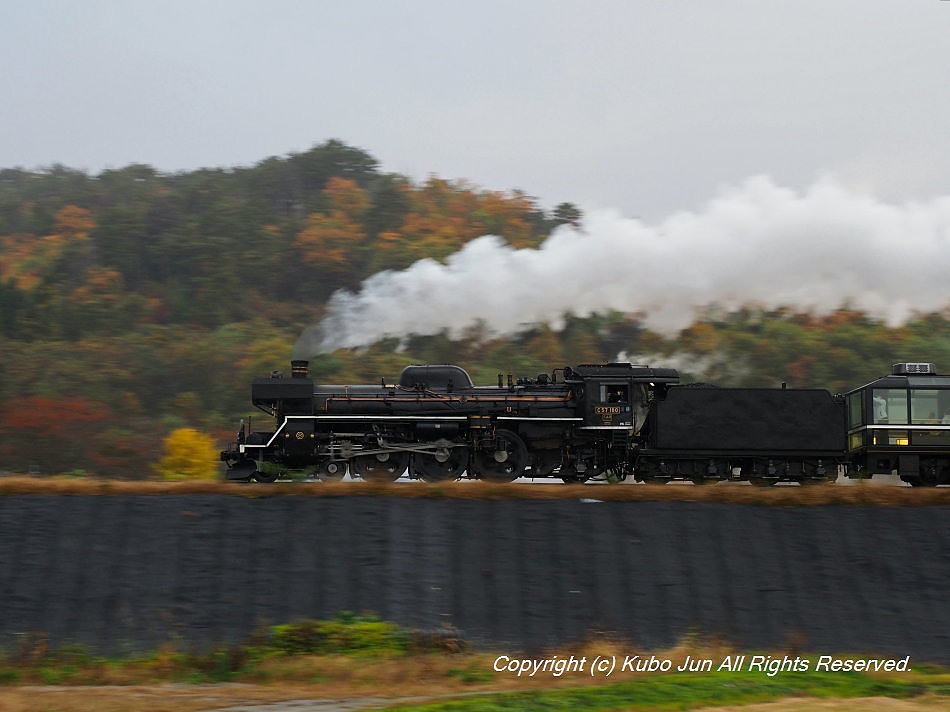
(127, 573)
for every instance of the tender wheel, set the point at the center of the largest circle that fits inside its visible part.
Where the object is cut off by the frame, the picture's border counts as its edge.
(331, 470)
(383, 467)
(762, 472)
(445, 464)
(929, 476)
(648, 470)
(502, 461)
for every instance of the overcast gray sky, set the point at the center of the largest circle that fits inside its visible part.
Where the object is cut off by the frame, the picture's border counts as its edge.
(647, 106)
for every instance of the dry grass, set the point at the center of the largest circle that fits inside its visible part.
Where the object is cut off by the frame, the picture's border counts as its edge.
(859, 495)
(187, 698)
(194, 698)
(144, 698)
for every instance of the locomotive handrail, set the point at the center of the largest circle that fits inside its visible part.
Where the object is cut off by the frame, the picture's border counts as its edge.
(382, 417)
(607, 427)
(288, 418)
(539, 417)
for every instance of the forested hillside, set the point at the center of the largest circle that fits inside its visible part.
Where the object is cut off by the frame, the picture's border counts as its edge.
(134, 302)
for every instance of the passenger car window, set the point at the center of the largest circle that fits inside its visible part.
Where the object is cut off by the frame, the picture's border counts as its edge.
(929, 406)
(889, 405)
(856, 409)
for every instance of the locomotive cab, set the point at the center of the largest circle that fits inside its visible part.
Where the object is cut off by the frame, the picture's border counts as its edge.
(900, 424)
(613, 400)
(617, 395)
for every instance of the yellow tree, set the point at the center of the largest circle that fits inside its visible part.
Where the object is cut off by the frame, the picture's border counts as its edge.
(189, 455)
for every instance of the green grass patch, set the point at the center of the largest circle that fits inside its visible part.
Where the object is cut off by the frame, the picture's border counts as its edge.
(348, 634)
(686, 691)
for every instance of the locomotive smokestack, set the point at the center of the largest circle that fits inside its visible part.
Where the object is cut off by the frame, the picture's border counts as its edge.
(300, 369)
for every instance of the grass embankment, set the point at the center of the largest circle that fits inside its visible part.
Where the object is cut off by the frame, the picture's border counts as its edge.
(693, 691)
(364, 657)
(815, 495)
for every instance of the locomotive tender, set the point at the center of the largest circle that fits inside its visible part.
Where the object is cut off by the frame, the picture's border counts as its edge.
(594, 421)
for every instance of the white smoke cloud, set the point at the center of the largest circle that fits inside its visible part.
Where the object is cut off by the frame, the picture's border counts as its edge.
(756, 243)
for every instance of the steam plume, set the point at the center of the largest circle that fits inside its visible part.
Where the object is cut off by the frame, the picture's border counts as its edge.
(757, 243)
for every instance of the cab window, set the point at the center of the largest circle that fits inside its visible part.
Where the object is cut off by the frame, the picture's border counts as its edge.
(889, 405)
(614, 394)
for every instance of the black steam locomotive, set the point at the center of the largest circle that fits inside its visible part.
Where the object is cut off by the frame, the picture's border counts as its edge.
(594, 421)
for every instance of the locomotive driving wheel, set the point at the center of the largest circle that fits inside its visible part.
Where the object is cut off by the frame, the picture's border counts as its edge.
(381, 467)
(446, 463)
(502, 460)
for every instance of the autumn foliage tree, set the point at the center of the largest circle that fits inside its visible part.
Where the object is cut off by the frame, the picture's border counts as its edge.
(332, 239)
(27, 261)
(443, 215)
(49, 434)
(189, 455)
